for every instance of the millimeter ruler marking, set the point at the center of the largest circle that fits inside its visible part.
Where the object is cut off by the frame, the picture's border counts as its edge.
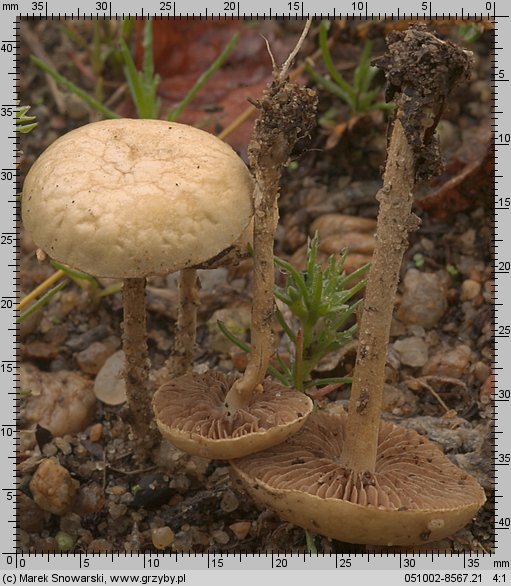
(463, 563)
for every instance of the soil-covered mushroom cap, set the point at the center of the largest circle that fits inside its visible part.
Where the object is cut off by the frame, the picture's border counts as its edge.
(415, 496)
(128, 198)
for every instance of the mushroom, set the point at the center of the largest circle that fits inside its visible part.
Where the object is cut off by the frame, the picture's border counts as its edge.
(130, 198)
(218, 416)
(355, 477)
(415, 494)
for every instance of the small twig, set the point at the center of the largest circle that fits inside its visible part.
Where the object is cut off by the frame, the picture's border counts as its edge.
(421, 382)
(132, 472)
(445, 379)
(289, 61)
(323, 391)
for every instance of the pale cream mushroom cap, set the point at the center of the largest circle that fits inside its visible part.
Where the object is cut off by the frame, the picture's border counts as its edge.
(129, 198)
(415, 496)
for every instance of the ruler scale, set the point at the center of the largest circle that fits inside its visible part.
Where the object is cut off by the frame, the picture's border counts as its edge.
(492, 567)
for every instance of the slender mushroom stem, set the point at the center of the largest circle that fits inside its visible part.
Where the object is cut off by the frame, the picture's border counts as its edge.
(395, 197)
(287, 113)
(265, 223)
(421, 70)
(181, 360)
(136, 364)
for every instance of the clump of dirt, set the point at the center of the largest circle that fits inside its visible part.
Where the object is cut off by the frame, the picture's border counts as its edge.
(427, 69)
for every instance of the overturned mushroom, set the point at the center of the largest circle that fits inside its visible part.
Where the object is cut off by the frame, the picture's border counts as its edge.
(239, 417)
(130, 198)
(354, 477)
(415, 494)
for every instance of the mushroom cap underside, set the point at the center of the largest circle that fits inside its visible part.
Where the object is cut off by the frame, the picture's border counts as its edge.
(129, 198)
(415, 496)
(190, 412)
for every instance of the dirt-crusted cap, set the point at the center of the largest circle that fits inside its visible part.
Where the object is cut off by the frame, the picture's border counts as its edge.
(191, 413)
(128, 198)
(415, 496)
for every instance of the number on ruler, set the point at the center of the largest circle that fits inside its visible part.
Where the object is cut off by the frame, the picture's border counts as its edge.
(167, 6)
(102, 6)
(7, 47)
(504, 138)
(504, 394)
(38, 6)
(359, 6)
(6, 238)
(230, 6)
(6, 111)
(7, 431)
(504, 458)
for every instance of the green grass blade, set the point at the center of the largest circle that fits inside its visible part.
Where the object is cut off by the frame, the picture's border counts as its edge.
(330, 85)
(73, 273)
(285, 326)
(327, 381)
(41, 302)
(133, 78)
(247, 348)
(175, 112)
(362, 75)
(329, 63)
(70, 86)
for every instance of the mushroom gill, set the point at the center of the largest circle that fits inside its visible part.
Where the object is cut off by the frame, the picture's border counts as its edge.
(415, 495)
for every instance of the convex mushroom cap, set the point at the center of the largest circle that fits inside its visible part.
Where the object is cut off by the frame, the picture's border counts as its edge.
(191, 413)
(128, 198)
(415, 496)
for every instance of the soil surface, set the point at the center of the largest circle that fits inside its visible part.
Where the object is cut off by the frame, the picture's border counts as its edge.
(94, 491)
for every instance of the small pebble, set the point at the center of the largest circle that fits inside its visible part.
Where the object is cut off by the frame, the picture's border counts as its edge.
(481, 371)
(412, 351)
(95, 432)
(99, 546)
(94, 356)
(162, 537)
(53, 488)
(424, 299)
(62, 402)
(470, 290)
(117, 511)
(355, 242)
(332, 224)
(64, 541)
(109, 386)
(221, 537)
(487, 389)
(71, 523)
(63, 446)
(32, 518)
(229, 502)
(241, 529)
(453, 363)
